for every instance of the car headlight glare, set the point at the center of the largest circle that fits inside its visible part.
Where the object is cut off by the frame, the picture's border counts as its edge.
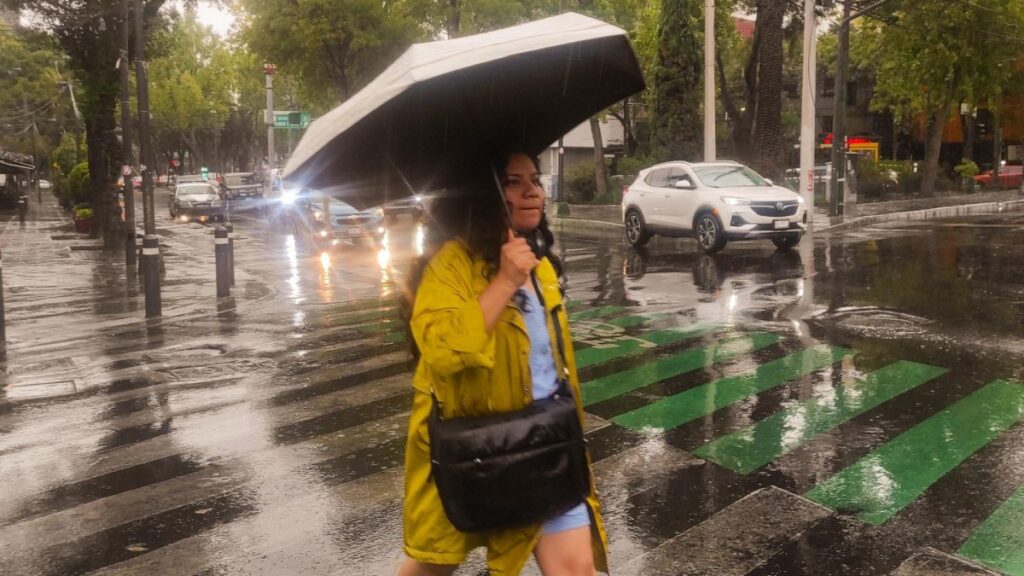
(378, 213)
(800, 199)
(734, 201)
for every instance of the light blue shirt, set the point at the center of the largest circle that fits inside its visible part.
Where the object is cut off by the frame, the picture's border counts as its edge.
(545, 383)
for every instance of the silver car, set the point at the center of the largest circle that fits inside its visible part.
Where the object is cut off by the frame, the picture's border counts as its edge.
(196, 201)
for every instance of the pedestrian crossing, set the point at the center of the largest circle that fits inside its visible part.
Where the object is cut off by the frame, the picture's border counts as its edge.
(336, 438)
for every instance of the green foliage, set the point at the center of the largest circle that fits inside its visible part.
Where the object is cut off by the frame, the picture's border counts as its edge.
(677, 94)
(83, 213)
(580, 184)
(78, 185)
(967, 168)
(33, 107)
(629, 167)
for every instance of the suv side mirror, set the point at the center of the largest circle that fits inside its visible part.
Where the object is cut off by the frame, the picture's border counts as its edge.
(683, 184)
(769, 181)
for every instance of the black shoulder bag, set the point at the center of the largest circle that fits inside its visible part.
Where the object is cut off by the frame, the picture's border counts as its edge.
(512, 468)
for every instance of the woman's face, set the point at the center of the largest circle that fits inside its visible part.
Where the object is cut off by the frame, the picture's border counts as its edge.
(524, 195)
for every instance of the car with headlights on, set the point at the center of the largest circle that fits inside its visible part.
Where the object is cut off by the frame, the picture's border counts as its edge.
(713, 202)
(337, 223)
(196, 201)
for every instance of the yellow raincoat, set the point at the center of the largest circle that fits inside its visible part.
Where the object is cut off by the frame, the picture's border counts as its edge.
(473, 373)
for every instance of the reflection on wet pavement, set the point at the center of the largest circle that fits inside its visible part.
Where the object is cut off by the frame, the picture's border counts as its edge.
(830, 411)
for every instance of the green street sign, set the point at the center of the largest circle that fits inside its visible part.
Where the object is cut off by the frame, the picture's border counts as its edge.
(290, 119)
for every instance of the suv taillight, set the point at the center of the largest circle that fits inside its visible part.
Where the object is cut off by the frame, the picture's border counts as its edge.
(625, 189)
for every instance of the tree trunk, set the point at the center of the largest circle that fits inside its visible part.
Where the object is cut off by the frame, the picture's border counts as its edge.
(600, 172)
(933, 146)
(769, 136)
(453, 22)
(743, 128)
(99, 130)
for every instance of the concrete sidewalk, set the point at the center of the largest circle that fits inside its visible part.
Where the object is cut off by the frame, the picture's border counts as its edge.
(608, 218)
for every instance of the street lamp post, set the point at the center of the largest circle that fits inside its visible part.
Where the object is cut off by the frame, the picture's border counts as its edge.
(269, 70)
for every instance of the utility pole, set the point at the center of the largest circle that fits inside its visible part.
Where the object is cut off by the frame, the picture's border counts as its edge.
(269, 70)
(126, 137)
(807, 112)
(561, 144)
(710, 152)
(837, 182)
(150, 244)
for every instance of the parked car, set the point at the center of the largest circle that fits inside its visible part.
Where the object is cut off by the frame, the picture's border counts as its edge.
(713, 202)
(1009, 177)
(342, 223)
(196, 201)
(45, 185)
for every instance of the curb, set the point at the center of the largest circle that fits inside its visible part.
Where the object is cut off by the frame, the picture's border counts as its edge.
(595, 226)
(927, 214)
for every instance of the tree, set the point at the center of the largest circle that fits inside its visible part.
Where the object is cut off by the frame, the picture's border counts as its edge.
(768, 123)
(35, 111)
(936, 54)
(331, 47)
(88, 32)
(677, 87)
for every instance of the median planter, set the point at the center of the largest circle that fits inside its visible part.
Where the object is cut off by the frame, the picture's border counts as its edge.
(84, 220)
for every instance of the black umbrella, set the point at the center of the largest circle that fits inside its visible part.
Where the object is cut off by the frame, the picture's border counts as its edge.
(432, 118)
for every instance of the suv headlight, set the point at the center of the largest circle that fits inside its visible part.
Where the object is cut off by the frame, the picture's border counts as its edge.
(800, 199)
(734, 201)
(377, 213)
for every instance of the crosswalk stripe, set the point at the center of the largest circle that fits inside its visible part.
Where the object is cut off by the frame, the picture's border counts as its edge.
(636, 344)
(702, 400)
(748, 449)
(622, 382)
(613, 385)
(932, 562)
(882, 483)
(755, 524)
(999, 541)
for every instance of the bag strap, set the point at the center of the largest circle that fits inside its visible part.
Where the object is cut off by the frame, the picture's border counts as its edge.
(558, 328)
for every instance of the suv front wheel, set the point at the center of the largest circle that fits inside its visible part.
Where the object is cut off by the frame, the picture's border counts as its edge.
(709, 233)
(636, 230)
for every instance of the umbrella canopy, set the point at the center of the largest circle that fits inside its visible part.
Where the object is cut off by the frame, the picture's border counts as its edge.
(432, 118)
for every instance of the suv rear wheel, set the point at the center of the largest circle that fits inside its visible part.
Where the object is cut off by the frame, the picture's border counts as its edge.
(709, 233)
(636, 230)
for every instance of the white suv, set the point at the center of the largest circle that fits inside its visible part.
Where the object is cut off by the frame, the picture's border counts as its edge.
(713, 202)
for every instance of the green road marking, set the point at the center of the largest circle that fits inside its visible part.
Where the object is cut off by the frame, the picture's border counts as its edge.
(895, 474)
(748, 449)
(595, 312)
(999, 542)
(686, 361)
(696, 402)
(630, 345)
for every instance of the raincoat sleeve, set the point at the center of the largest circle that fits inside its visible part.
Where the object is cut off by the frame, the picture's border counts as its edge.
(447, 321)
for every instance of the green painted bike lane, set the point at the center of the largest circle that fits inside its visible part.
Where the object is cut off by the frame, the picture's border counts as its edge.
(619, 383)
(748, 449)
(999, 541)
(696, 402)
(885, 481)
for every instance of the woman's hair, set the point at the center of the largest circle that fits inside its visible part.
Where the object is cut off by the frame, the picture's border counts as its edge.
(476, 214)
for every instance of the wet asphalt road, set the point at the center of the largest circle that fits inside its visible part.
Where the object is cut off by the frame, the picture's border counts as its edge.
(850, 408)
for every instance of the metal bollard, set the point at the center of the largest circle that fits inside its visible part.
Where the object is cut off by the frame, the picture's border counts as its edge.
(231, 252)
(3, 319)
(220, 248)
(151, 274)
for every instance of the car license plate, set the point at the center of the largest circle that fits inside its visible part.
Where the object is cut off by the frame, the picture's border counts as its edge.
(781, 224)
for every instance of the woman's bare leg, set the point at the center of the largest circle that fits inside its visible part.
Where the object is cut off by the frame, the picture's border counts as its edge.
(566, 553)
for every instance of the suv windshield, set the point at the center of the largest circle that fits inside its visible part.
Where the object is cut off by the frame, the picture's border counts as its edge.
(728, 176)
(240, 179)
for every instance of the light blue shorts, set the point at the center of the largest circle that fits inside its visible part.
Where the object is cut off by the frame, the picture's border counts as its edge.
(575, 518)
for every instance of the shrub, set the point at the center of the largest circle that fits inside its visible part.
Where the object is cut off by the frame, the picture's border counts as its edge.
(629, 167)
(580, 184)
(78, 185)
(873, 183)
